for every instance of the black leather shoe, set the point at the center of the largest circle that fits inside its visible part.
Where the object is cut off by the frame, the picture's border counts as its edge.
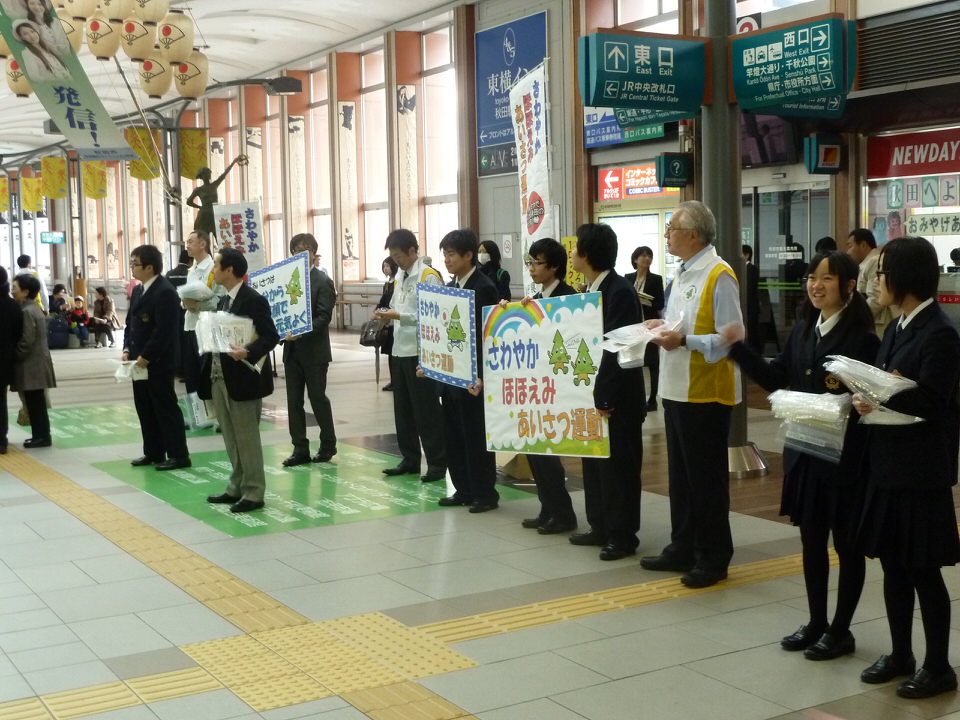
(37, 442)
(400, 470)
(830, 646)
(588, 538)
(702, 577)
(324, 455)
(533, 523)
(887, 668)
(804, 637)
(452, 501)
(223, 499)
(924, 685)
(246, 505)
(482, 507)
(555, 527)
(615, 552)
(295, 460)
(434, 474)
(3, 448)
(665, 563)
(173, 464)
(144, 461)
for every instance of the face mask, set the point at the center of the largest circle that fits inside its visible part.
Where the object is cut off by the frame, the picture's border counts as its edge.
(483, 258)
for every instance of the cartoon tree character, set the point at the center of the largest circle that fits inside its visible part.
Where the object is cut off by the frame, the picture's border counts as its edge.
(456, 337)
(583, 366)
(294, 290)
(559, 357)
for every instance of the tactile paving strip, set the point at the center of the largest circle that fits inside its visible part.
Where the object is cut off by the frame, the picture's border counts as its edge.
(90, 701)
(29, 709)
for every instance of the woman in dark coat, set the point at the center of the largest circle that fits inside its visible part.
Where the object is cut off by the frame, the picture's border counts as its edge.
(33, 367)
(908, 519)
(389, 268)
(11, 327)
(818, 495)
(489, 259)
(649, 287)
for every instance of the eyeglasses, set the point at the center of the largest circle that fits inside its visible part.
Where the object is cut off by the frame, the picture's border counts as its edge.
(134, 264)
(668, 227)
(531, 263)
(882, 272)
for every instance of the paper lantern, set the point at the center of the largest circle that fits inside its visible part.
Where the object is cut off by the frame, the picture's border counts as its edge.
(190, 76)
(117, 9)
(80, 9)
(150, 11)
(138, 40)
(175, 36)
(17, 79)
(4, 48)
(155, 74)
(103, 36)
(73, 29)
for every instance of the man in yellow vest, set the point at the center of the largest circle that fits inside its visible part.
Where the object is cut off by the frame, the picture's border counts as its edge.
(699, 386)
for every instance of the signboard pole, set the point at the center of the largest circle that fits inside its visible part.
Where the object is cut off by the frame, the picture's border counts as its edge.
(721, 192)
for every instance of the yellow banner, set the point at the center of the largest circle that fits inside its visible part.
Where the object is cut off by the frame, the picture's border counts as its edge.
(94, 173)
(193, 152)
(147, 164)
(53, 172)
(4, 194)
(30, 196)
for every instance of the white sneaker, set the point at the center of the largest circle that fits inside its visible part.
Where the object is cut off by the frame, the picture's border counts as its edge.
(113, 344)
(98, 346)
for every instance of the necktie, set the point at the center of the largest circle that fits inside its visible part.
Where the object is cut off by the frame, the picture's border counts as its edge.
(225, 303)
(405, 275)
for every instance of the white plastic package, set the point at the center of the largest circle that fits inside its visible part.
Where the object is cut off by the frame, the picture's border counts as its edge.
(630, 341)
(813, 424)
(218, 331)
(195, 290)
(874, 385)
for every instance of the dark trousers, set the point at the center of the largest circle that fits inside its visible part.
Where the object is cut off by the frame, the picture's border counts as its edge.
(190, 360)
(699, 483)
(416, 413)
(555, 503)
(36, 403)
(310, 376)
(161, 422)
(100, 330)
(4, 420)
(473, 469)
(611, 486)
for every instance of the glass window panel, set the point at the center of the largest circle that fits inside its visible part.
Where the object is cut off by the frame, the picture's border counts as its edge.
(441, 219)
(319, 90)
(436, 48)
(376, 228)
(629, 11)
(440, 133)
(372, 68)
(374, 149)
(322, 224)
(319, 157)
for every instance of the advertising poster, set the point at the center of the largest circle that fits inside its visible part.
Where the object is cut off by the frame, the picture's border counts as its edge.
(286, 286)
(446, 329)
(349, 215)
(528, 100)
(540, 363)
(42, 53)
(239, 226)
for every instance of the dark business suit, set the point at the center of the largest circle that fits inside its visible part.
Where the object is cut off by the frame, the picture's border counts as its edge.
(11, 327)
(653, 285)
(153, 332)
(237, 390)
(306, 360)
(473, 469)
(548, 472)
(611, 485)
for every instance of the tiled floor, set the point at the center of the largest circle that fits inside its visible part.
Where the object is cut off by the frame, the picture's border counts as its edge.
(80, 615)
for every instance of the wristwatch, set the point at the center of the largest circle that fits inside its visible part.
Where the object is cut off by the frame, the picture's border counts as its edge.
(683, 341)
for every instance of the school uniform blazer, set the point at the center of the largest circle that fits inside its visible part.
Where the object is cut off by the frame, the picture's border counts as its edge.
(153, 326)
(615, 386)
(652, 286)
(11, 328)
(242, 382)
(561, 289)
(923, 454)
(313, 348)
(799, 366)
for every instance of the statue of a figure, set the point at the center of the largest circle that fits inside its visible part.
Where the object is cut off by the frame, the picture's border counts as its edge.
(206, 193)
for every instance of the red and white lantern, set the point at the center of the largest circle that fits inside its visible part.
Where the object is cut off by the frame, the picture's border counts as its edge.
(17, 79)
(117, 9)
(150, 11)
(175, 36)
(155, 75)
(103, 36)
(80, 9)
(137, 39)
(73, 29)
(191, 75)
(4, 48)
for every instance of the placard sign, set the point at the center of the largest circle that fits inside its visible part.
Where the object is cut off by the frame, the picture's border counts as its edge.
(446, 332)
(286, 286)
(540, 363)
(240, 227)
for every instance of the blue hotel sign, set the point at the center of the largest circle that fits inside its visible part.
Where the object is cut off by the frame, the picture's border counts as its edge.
(504, 54)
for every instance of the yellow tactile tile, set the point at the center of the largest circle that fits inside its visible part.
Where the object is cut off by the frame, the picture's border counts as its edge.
(280, 692)
(579, 606)
(179, 683)
(90, 701)
(386, 696)
(459, 630)
(29, 709)
(358, 675)
(435, 708)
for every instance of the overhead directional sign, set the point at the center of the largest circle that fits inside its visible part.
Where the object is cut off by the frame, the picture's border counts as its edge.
(800, 68)
(645, 71)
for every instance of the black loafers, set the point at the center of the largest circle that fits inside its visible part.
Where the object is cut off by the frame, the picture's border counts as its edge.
(887, 668)
(246, 506)
(37, 443)
(665, 563)
(615, 552)
(400, 470)
(588, 538)
(533, 523)
(223, 499)
(324, 455)
(452, 501)
(174, 464)
(804, 637)
(556, 527)
(703, 577)
(433, 474)
(296, 459)
(924, 685)
(144, 462)
(482, 507)
(831, 646)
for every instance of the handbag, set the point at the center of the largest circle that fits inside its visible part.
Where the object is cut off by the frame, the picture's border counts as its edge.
(373, 332)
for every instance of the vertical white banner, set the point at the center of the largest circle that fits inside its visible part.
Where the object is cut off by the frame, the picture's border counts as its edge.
(407, 165)
(528, 103)
(349, 208)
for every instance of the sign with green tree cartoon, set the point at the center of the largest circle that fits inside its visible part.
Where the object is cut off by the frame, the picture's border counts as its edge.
(456, 337)
(559, 357)
(583, 366)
